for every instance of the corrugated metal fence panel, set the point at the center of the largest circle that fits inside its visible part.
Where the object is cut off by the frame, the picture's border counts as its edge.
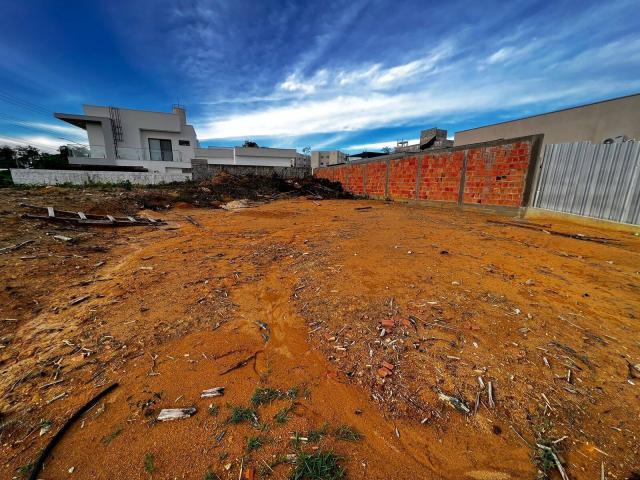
(601, 181)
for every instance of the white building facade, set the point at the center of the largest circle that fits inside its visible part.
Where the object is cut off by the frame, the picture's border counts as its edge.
(157, 142)
(323, 158)
(254, 156)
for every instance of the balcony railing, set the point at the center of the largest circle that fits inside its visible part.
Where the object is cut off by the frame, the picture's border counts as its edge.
(126, 153)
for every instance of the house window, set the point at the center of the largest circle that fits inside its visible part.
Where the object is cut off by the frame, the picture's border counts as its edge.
(184, 143)
(160, 150)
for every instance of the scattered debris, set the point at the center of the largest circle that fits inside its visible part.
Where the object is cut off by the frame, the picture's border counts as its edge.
(56, 438)
(81, 218)
(577, 236)
(456, 403)
(237, 204)
(168, 414)
(212, 392)
(15, 247)
(240, 364)
(78, 300)
(63, 238)
(553, 454)
(490, 394)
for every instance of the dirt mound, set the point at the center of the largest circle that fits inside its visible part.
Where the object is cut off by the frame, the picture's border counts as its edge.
(224, 187)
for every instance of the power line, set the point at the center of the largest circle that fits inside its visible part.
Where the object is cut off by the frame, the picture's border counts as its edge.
(23, 141)
(22, 124)
(7, 97)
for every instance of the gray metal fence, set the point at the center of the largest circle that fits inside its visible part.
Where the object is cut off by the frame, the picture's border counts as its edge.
(601, 181)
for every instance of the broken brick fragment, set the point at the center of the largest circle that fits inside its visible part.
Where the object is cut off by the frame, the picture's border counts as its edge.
(388, 323)
(384, 372)
(249, 474)
(387, 365)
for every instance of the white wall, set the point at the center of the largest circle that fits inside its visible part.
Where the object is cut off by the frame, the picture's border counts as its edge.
(25, 176)
(268, 157)
(153, 167)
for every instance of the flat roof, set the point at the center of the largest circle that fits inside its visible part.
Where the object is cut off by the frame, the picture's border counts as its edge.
(549, 113)
(79, 120)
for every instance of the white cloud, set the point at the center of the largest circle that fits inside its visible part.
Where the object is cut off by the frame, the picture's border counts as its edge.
(68, 130)
(501, 55)
(295, 84)
(374, 110)
(455, 79)
(42, 142)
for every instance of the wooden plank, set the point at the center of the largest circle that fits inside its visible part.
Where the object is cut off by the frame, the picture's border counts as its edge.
(167, 414)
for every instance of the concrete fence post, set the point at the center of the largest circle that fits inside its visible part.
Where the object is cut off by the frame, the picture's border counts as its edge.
(364, 179)
(463, 178)
(386, 180)
(418, 170)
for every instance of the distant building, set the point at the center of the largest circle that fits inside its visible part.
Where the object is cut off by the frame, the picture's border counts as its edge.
(160, 142)
(430, 138)
(322, 158)
(302, 160)
(254, 156)
(364, 155)
(613, 120)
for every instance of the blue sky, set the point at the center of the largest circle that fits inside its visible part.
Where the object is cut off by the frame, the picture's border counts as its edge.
(332, 74)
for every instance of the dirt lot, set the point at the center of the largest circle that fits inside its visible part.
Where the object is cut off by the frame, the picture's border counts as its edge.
(312, 299)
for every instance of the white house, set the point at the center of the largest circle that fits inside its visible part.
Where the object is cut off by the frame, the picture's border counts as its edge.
(160, 142)
(118, 137)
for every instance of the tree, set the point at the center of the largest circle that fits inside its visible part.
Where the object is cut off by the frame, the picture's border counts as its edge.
(53, 161)
(250, 144)
(386, 149)
(306, 150)
(30, 157)
(7, 157)
(26, 156)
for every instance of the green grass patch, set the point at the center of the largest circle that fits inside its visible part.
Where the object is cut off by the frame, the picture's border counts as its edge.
(25, 470)
(213, 410)
(254, 443)
(5, 178)
(242, 414)
(283, 414)
(264, 396)
(149, 465)
(348, 433)
(106, 440)
(209, 475)
(317, 466)
(315, 435)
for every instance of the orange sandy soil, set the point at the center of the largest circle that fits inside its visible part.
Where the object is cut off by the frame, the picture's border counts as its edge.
(487, 300)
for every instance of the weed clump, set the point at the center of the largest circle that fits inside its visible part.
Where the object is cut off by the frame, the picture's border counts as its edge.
(149, 465)
(264, 396)
(317, 466)
(242, 414)
(254, 443)
(348, 433)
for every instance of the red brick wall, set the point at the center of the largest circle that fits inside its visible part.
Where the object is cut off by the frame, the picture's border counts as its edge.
(376, 176)
(494, 175)
(402, 178)
(355, 180)
(440, 175)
